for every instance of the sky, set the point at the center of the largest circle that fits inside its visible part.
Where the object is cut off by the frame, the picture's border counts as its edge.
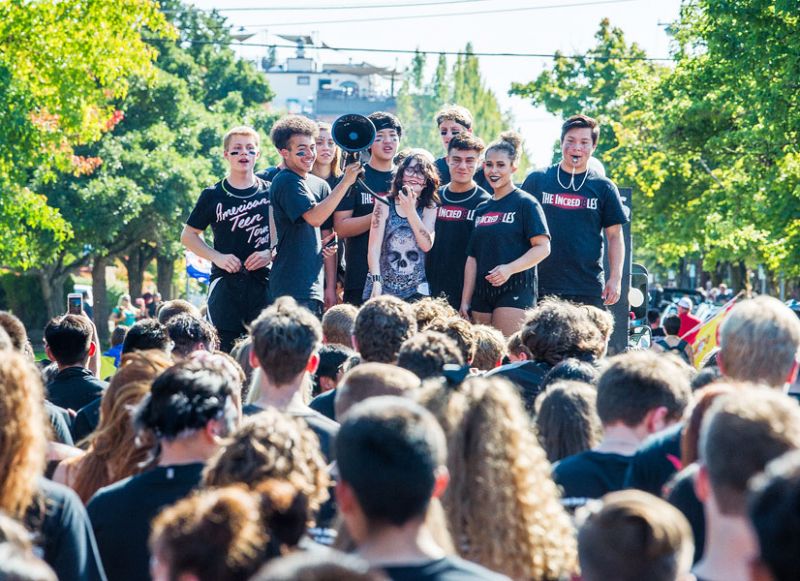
(492, 26)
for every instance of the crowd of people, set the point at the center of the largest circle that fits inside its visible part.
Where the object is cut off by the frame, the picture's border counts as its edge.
(399, 441)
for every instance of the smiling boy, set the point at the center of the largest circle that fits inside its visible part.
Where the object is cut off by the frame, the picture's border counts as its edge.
(236, 208)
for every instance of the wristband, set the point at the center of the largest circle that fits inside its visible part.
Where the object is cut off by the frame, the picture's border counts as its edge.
(376, 278)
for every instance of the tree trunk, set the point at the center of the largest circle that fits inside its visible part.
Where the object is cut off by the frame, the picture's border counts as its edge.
(165, 267)
(100, 294)
(53, 292)
(136, 263)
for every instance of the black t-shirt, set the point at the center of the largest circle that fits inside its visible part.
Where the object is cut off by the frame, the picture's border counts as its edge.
(682, 496)
(74, 387)
(527, 376)
(122, 512)
(590, 474)
(325, 428)
(576, 221)
(455, 220)
(238, 218)
(332, 182)
(503, 229)
(60, 422)
(361, 203)
(446, 569)
(269, 174)
(656, 461)
(63, 536)
(86, 420)
(324, 404)
(297, 268)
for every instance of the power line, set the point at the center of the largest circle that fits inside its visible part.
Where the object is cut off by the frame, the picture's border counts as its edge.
(351, 7)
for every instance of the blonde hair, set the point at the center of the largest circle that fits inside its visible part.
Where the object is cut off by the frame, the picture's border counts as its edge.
(240, 130)
(502, 504)
(22, 433)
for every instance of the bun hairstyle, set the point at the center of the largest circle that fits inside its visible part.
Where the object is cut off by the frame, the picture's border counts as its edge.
(509, 142)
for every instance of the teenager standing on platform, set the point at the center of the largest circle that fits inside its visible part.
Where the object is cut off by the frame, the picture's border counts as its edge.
(509, 240)
(453, 120)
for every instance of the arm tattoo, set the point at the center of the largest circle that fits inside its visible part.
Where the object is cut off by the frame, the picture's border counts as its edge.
(426, 236)
(377, 213)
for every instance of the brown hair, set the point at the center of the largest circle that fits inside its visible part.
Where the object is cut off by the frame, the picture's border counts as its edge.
(336, 171)
(580, 122)
(515, 346)
(639, 381)
(460, 331)
(466, 142)
(490, 347)
(174, 307)
(425, 354)
(381, 326)
(510, 143)
(289, 126)
(429, 197)
(429, 308)
(633, 536)
(457, 113)
(371, 380)
(566, 419)
(337, 324)
(16, 332)
(556, 330)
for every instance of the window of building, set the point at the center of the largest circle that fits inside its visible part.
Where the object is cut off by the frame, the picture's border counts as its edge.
(303, 80)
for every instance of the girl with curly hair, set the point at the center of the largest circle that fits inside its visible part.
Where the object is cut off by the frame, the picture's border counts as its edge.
(402, 231)
(502, 505)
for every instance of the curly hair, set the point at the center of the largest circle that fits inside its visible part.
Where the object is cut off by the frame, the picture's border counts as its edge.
(22, 433)
(429, 308)
(503, 506)
(271, 445)
(460, 331)
(429, 196)
(289, 126)
(425, 354)
(558, 329)
(490, 347)
(381, 326)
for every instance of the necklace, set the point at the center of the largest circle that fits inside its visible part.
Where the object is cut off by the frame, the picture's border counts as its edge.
(449, 201)
(232, 195)
(571, 185)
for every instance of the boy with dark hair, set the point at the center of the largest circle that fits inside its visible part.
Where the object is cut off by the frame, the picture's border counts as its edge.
(16, 331)
(332, 358)
(71, 341)
(354, 214)
(654, 321)
(426, 353)
(391, 456)
(635, 536)
(146, 334)
(117, 339)
(189, 333)
(740, 434)
(638, 394)
(237, 210)
(302, 202)
(190, 410)
(381, 326)
(455, 218)
(578, 212)
(671, 342)
(337, 324)
(286, 340)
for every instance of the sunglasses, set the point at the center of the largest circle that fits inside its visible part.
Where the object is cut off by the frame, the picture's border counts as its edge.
(414, 170)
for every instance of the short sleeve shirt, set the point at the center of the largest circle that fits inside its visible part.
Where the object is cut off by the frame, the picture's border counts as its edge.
(238, 218)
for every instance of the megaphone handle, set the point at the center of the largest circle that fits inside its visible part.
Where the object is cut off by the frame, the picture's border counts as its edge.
(369, 190)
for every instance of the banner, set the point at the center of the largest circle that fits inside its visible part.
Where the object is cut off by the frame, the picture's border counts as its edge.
(707, 338)
(197, 267)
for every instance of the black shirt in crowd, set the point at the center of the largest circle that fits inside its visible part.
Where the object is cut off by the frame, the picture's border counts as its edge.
(576, 221)
(445, 569)
(74, 387)
(60, 422)
(122, 512)
(503, 229)
(682, 496)
(297, 268)
(656, 461)
(332, 182)
(239, 219)
(86, 420)
(361, 203)
(324, 404)
(527, 376)
(590, 474)
(64, 534)
(455, 220)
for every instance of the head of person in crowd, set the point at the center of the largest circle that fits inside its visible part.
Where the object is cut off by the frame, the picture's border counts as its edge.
(685, 306)
(429, 308)
(118, 335)
(190, 410)
(417, 174)
(502, 504)
(332, 360)
(318, 566)
(633, 536)
(381, 326)
(189, 333)
(579, 135)
(604, 322)
(706, 376)
(772, 507)
(557, 329)
(213, 535)
(228, 368)
(490, 347)
(146, 334)
(464, 157)
(328, 154)
(16, 331)
(516, 349)
(672, 324)
(566, 419)
(388, 132)
(5, 341)
(23, 432)
(571, 369)
(703, 399)
(241, 354)
(337, 324)
(286, 340)
(68, 341)
(460, 331)
(294, 136)
(114, 451)
(174, 307)
(642, 393)
(453, 121)
(653, 318)
(759, 342)
(371, 380)
(426, 353)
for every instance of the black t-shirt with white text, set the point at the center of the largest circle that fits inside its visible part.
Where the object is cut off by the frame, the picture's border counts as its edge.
(361, 203)
(297, 268)
(590, 474)
(455, 220)
(503, 229)
(239, 219)
(576, 221)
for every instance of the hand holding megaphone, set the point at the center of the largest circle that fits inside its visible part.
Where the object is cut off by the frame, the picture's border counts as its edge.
(352, 172)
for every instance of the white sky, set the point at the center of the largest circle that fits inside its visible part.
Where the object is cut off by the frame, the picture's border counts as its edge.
(503, 26)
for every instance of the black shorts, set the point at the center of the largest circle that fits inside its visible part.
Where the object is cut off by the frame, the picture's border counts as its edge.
(234, 300)
(353, 296)
(516, 298)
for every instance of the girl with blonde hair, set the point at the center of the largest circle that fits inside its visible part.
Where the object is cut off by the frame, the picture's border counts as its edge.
(502, 505)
